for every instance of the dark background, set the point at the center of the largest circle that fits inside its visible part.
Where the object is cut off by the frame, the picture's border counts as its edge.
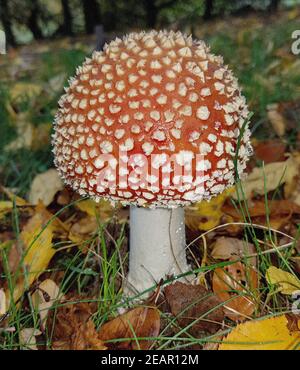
(24, 20)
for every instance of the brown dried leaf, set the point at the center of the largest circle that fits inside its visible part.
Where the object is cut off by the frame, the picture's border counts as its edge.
(270, 151)
(191, 303)
(234, 285)
(278, 209)
(73, 328)
(214, 344)
(293, 322)
(82, 229)
(226, 248)
(14, 258)
(63, 197)
(84, 337)
(280, 212)
(137, 323)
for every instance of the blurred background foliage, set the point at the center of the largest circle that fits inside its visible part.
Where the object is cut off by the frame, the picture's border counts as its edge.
(25, 20)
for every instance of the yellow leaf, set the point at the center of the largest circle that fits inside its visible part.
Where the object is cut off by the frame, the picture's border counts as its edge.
(103, 209)
(267, 334)
(88, 206)
(18, 200)
(5, 207)
(287, 282)
(206, 215)
(38, 249)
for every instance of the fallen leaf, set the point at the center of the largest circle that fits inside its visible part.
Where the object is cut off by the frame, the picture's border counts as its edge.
(38, 248)
(292, 188)
(287, 282)
(88, 206)
(270, 151)
(193, 303)
(293, 322)
(226, 248)
(268, 334)
(215, 342)
(63, 197)
(73, 328)
(102, 209)
(96, 212)
(14, 258)
(206, 215)
(44, 187)
(235, 285)
(266, 179)
(5, 207)
(82, 229)
(44, 297)
(13, 197)
(259, 208)
(2, 302)
(27, 338)
(140, 322)
(276, 118)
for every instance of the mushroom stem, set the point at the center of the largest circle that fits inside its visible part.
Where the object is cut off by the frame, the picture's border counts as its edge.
(157, 247)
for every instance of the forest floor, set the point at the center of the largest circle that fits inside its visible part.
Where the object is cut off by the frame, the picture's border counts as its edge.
(63, 259)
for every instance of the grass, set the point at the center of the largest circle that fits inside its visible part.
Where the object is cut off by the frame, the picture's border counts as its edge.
(75, 271)
(95, 268)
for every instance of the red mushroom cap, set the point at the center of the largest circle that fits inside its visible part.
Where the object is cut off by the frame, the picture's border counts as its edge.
(150, 104)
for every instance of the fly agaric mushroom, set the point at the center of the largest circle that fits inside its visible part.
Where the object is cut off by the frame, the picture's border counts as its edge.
(153, 121)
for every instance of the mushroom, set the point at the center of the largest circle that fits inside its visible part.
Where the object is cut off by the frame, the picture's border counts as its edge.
(153, 121)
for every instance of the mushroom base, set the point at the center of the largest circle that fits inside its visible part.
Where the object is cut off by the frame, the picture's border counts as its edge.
(157, 248)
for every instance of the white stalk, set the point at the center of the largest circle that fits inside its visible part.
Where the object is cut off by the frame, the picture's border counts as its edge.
(157, 247)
